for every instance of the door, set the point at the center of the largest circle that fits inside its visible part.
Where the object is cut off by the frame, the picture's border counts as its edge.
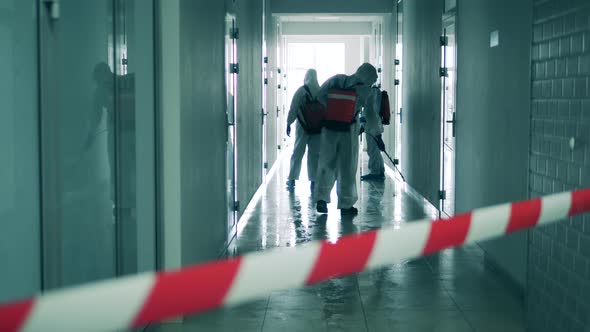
(264, 82)
(380, 51)
(285, 102)
(231, 60)
(399, 52)
(97, 127)
(78, 148)
(279, 92)
(449, 77)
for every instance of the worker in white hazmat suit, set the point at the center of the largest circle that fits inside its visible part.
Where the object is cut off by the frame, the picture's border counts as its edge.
(304, 138)
(373, 128)
(344, 97)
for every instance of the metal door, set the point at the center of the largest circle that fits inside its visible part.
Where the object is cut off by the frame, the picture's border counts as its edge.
(78, 141)
(398, 114)
(264, 78)
(231, 71)
(280, 85)
(449, 78)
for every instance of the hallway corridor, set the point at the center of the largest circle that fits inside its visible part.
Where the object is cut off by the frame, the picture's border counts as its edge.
(451, 291)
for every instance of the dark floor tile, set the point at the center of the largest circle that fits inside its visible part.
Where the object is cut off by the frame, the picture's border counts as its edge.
(417, 321)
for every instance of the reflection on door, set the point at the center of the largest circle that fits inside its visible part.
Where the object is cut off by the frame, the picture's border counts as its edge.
(78, 145)
(95, 110)
(231, 82)
(449, 51)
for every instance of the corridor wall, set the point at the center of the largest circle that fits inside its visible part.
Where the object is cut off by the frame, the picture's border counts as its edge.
(493, 109)
(558, 297)
(20, 227)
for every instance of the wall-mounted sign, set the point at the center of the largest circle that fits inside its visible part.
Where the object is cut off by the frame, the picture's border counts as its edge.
(495, 38)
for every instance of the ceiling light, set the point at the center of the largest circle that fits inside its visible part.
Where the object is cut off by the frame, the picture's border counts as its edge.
(327, 18)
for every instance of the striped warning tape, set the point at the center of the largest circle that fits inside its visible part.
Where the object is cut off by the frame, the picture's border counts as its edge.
(135, 301)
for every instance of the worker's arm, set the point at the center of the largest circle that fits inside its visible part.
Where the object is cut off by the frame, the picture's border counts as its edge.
(296, 105)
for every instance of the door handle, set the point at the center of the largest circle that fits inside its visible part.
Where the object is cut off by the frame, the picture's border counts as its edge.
(262, 115)
(454, 123)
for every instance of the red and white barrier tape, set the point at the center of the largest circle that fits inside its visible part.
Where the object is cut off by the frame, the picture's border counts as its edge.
(133, 302)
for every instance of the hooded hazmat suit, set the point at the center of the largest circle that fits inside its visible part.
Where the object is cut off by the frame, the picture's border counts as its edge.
(339, 149)
(374, 128)
(302, 138)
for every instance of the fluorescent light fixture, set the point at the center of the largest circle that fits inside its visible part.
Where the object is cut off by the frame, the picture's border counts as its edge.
(327, 18)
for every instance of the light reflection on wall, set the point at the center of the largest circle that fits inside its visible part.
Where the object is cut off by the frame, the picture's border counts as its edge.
(264, 217)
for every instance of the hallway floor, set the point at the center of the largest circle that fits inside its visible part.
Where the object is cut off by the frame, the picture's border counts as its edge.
(449, 291)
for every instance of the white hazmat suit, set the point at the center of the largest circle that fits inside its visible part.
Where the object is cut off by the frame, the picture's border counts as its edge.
(302, 138)
(374, 128)
(339, 149)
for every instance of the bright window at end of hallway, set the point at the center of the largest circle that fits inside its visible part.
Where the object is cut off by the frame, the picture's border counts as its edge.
(327, 58)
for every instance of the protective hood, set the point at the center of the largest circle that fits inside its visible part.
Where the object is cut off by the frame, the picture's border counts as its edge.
(366, 74)
(311, 81)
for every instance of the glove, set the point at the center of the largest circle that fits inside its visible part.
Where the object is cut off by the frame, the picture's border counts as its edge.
(380, 143)
(362, 130)
(289, 130)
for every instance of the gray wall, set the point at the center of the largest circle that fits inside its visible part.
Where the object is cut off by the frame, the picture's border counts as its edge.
(249, 122)
(493, 109)
(559, 255)
(19, 171)
(421, 96)
(330, 6)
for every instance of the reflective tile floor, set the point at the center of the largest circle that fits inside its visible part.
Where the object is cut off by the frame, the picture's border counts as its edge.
(449, 291)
